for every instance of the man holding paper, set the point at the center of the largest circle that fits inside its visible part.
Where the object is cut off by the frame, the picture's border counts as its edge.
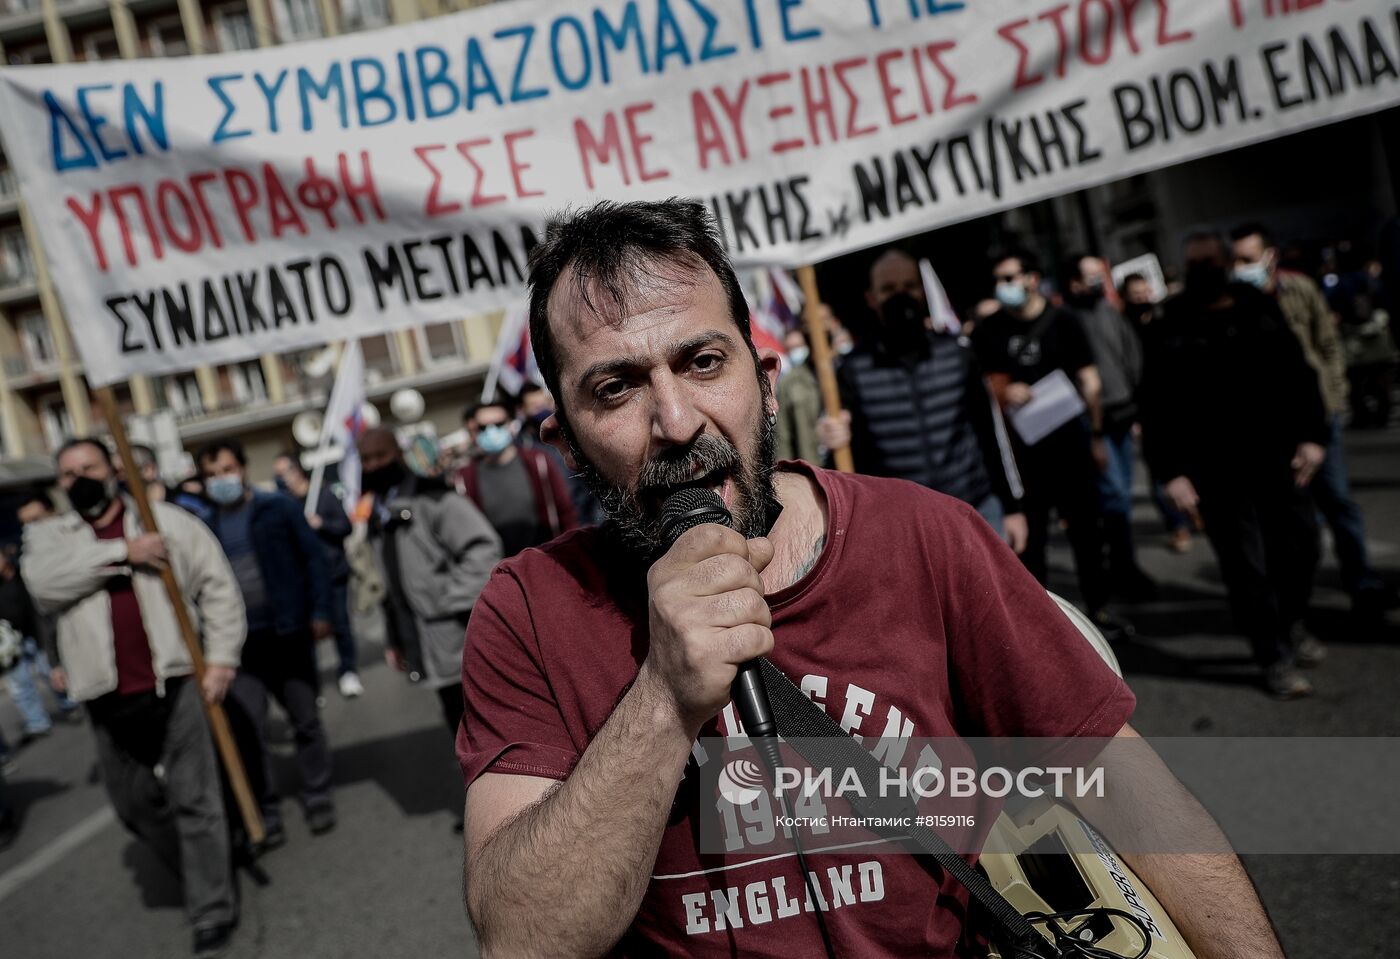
(1041, 370)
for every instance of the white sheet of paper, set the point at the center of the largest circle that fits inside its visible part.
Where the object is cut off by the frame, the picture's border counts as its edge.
(1054, 402)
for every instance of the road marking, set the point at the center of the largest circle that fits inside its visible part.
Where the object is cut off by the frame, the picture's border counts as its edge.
(15, 879)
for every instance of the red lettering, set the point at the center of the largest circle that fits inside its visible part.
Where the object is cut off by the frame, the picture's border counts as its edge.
(925, 96)
(818, 105)
(604, 152)
(1086, 29)
(1236, 14)
(115, 196)
(1129, 10)
(365, 188)
(1164, 36)
(1056, 16)
(243, 190)
(783, 110)
(518, 166)
(434, 205)
(889, 89)
(197, 183)
(165, 191)
(1023, 55)
(317, 193)
(478, 198)
(852, 97)
(734, 113)
(89, 218)
(951, 99)
(282, 214)
(640, 140)
(708, 137)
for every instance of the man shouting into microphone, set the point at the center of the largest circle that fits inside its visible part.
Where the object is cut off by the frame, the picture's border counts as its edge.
(594, 662)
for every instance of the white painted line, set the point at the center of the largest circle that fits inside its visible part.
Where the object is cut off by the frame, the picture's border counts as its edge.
(755, 862)
(14, 879)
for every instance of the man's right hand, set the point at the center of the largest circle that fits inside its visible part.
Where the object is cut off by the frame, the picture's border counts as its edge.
(1017, 394)
(834, 432)
(148, 549)
(708, 615)
(1182, 494)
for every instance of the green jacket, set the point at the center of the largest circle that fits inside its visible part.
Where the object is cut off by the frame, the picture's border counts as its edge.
(799, 406)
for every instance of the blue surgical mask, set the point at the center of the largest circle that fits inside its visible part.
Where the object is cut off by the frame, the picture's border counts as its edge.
(798, 355)
(224, 490)
(492, 439)
(1255, 274)
(1011, 295)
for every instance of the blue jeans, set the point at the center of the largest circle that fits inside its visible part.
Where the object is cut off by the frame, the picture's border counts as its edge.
(340, 625)
(992, 511)
(1332, 492)
(1116, 482)
(33, 668)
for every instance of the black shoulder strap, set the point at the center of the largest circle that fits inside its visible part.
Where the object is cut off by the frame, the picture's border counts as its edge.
(821, 741)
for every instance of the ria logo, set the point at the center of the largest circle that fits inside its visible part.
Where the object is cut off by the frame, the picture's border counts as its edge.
(741, 781)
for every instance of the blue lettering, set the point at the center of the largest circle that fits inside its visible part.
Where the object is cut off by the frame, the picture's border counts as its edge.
(59, 122)
(707, 51)
(364, 95)
(582, 38)
(519, 93)
(96, 121)
(480, 80)
(334, 84)
(934, 7)
(438, 78)
(755, 37)
(874, 6)
(153, 116)
(616, 37)
(222, 132)
(409, 110)
(270, 95)
(672, 46)
(785, 9)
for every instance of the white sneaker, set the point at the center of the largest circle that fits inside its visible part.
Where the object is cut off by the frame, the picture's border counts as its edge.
(350, 686)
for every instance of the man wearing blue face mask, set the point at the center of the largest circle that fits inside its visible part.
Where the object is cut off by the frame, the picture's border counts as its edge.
(281, 569)
(521, 492)
(1310, 318)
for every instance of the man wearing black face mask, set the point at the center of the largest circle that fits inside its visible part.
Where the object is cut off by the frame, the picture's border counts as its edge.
(899, 387)
(435, 551)
(1233, 422)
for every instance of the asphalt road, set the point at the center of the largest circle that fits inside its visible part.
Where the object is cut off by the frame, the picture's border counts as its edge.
(387, 881)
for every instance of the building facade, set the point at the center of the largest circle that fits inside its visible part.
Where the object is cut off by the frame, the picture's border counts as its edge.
(43, 395)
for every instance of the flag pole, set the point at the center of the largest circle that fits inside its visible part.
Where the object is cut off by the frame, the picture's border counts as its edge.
(218, 720)
(821, 358)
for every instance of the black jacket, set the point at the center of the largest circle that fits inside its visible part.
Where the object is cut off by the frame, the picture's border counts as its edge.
(1226, 394)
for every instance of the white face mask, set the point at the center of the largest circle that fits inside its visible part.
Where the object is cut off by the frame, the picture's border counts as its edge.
(798, 355)
(224, 490)
(1255, 274)
(1011, 295)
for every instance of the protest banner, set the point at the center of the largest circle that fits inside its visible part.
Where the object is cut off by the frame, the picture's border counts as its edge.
(210, 209)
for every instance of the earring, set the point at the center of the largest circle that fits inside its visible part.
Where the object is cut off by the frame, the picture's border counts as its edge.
(772, 419)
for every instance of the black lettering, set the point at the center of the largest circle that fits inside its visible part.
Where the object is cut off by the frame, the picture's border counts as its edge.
(506, 256)
(180, 316)
(1314, 70)
(798, 186)
(739, 218)
(1178, 81)
(964, 141)
(112, 303)
(147, 306)
(1377, 57)
(1021, 165)
(210, 307)
(1277, 79)
(443, 243)
(232, 301)
(873, 193)
(211, 332)
(1083, 153)
(418, 271)
(337, 294)
(925, 163)
(775, 214)
(248, 296)
(1226, 90)
(476, 268)
(1138, 129)
(386, 274)
(1047, 141)
(282, 309)
(905, 195)
(299, 267)
(1343, 60)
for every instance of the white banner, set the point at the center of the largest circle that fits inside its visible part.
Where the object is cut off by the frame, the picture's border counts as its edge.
(208, 209)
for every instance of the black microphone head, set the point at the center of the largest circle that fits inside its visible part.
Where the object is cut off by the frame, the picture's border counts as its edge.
(689, 507)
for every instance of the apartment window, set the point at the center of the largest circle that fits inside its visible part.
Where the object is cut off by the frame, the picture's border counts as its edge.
(233, 25)
(380, 357)
(440, 342)
(248, 382)
(31, 56)
(101, 45)
(183, 396)
(166, 37)
(363, 14)
(36, 338)
(298, 19)
(54, 420)
(16, 264)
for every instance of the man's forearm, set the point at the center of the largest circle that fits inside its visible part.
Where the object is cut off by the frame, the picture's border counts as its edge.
(1212, 902)
(566, 876)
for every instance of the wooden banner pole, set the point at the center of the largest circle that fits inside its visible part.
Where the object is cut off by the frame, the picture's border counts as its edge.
(821, 358)
(218, 721)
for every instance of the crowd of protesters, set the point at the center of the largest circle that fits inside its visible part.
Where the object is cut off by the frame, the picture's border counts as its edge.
(1233, 389)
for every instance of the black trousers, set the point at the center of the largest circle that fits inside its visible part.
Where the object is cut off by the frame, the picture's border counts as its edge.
(1059, 476)
(284, 668)
(453, 706)
(1264, 533)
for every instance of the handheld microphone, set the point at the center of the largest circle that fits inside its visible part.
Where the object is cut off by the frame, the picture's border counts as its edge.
(685, 509)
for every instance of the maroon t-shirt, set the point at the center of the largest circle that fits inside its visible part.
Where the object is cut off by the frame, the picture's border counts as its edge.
(916, 621)
(135, 674)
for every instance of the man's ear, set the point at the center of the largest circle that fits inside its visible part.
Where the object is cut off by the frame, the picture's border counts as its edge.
(552, 432)
(770, 361)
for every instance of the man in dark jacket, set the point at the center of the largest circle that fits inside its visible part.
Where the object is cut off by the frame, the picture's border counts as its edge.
(918, 409)
(521, 491)
(281, 569)
(332, 526)
(1233, 422)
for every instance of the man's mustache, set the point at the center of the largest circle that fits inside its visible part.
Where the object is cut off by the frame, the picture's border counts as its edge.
(675, 467)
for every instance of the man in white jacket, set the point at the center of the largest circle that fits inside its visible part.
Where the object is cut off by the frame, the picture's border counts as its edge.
(122, 655)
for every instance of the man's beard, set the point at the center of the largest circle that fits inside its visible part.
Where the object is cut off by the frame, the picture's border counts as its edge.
(709, 460)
